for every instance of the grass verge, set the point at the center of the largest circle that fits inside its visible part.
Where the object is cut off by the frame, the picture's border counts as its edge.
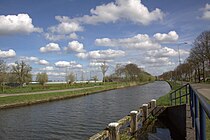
(48, 87)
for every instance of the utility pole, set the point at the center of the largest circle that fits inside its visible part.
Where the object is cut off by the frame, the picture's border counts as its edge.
(180, 59)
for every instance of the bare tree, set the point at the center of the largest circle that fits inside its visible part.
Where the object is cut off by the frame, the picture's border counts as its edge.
(202, 50)
(104, 68)
(22, 72)
(3, 73)
(195, 65)
(42, 78)
(71, 78)
(95, 78)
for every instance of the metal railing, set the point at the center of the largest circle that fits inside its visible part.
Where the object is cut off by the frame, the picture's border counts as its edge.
(180, 95)
(199, 107)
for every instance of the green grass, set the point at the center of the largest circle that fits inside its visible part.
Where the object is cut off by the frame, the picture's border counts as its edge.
(165, 100)
(38, 87)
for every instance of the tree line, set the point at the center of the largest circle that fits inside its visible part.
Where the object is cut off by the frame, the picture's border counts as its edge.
(18, 74)
(129, 73)
(196, 67)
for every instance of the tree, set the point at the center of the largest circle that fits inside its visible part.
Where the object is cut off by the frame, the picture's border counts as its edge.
(22, 72)
(104, 68)
(42, 78)
(95, 78)
(3, 73)
(132, 72)
(202, 50)
(71, 78)
(3, 69)
(199, 57)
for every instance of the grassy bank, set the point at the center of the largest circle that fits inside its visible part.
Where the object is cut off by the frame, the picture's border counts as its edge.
(48, 87)
(22, 100)
(165, 101)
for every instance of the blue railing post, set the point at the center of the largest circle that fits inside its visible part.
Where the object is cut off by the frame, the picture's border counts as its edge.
(187, 93)
(180, 94)
(202, 123)
(192, 107)
(171, 98)
(196, 119)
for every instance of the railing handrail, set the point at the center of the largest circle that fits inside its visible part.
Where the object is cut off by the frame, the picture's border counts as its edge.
(179, 88)
(199, 108)
(202, 101)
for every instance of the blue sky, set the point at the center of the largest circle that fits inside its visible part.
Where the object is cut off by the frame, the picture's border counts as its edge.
(78, 35)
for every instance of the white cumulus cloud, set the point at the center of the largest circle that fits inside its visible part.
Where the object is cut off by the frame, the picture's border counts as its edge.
(35, 60)
(140, 41)
(64, 64)
(13, 24)
(102, 54)
(66, 28)
(7, 54)
(131, 10)
(206, 12)
(166, 52)
(75, 46)
(82, 55)
(163, 52)
(157, 62)
(73, 36)
(172, 36)
(51, 47)
(43, 62)
(48, 68)
(95, 64)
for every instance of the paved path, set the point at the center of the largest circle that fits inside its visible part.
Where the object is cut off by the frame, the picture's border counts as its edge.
(44, 92)
(203, 89)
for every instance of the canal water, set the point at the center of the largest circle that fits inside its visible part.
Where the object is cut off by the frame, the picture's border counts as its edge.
(77, 118)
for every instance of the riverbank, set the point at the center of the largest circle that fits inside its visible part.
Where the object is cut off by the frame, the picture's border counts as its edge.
(30, 99)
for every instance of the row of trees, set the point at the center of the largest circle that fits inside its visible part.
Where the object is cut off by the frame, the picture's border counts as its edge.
(19, 73)
(129, 73)
(196, 66)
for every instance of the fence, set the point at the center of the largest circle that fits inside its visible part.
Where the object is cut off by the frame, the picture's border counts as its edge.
(198, 105)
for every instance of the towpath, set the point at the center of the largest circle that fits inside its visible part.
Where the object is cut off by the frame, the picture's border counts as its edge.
(203, 89)
(49, 91)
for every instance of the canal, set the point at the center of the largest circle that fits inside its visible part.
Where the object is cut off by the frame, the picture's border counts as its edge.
(77, 118)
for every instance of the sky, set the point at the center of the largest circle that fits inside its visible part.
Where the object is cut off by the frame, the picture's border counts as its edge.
(59, 37)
